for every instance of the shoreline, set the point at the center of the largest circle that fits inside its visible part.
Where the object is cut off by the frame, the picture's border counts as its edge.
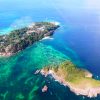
(5, 54)
(89, 92)
(19, 39)
(10, 54)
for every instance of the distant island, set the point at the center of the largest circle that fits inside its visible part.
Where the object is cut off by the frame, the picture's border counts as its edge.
(79, 81)
(19, 39)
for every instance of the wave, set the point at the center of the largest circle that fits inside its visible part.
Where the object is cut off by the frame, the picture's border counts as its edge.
(47, 37)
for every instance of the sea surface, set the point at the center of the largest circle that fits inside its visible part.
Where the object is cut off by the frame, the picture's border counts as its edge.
(77, 39)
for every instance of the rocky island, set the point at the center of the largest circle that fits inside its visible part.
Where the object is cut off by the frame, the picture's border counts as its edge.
(79, 81)
(19, 39)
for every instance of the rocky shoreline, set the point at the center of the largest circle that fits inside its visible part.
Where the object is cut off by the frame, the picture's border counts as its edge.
(89, 92)
(19, 39)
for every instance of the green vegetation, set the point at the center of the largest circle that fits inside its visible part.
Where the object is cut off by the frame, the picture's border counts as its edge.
(75, 76)
(19, 39)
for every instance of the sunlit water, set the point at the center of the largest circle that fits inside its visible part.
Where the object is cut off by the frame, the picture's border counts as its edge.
(77, 39)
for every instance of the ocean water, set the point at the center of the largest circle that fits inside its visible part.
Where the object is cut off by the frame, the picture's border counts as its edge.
(77, 39)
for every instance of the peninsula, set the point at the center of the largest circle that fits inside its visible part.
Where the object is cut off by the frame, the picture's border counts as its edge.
(19, 39)
(79, 81)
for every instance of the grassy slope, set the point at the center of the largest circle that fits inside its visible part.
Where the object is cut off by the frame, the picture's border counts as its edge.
(75, 76)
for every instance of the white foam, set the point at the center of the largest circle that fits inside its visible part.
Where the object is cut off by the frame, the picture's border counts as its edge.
(56, 23)
(47, 37)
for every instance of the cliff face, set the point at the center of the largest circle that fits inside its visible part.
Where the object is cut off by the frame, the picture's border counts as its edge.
(19, 39)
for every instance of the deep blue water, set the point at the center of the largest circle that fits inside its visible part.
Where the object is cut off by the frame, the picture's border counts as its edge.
(78, 36)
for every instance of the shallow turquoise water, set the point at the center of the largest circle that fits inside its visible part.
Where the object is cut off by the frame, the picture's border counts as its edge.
(77, 39)
(17, 72)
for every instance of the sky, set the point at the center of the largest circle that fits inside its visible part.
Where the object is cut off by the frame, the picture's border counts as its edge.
(90, 4)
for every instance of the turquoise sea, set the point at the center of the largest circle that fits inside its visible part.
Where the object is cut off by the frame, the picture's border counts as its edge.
(77, 39)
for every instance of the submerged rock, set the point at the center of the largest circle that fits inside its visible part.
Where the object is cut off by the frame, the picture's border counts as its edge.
(37, 71)
(44, 89)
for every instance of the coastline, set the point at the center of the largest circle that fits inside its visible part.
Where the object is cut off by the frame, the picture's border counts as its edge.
(5, 54)
(89, 92)
(20, 39)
